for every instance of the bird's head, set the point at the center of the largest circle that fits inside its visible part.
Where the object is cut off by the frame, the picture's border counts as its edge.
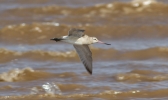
(95, 40)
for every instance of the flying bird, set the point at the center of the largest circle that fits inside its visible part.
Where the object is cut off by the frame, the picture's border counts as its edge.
(80, 42)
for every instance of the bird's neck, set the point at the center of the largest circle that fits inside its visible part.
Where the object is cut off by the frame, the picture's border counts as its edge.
(85, 40)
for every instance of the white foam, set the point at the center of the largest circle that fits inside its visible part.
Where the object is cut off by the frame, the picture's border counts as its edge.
(143, 2)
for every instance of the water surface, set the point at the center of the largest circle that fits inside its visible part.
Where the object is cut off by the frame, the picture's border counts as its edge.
(133, 67)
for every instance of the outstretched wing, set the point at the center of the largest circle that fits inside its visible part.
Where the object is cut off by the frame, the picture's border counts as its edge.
(76, 32)
(85, 56)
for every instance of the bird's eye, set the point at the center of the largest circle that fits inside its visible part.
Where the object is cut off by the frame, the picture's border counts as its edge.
(94, 39)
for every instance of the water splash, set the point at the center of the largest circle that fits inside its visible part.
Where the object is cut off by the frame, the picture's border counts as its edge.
(143, 2)
(51, 88)
(47, 88)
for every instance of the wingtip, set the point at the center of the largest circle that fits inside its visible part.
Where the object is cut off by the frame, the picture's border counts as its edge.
(89, 71)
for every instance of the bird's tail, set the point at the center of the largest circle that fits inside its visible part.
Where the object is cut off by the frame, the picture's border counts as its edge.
(57, 39)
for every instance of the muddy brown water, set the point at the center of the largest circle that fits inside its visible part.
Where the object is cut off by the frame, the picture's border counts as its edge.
(133, 67)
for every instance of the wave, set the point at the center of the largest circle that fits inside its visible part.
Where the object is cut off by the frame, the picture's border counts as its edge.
(8, 55)
(136, 6)
(110, 94)
(115, 20)
(26, 74)
(29, 74)
(31, 33)
(141, 76)
(150, 53)
(41, 33)
(108, 54)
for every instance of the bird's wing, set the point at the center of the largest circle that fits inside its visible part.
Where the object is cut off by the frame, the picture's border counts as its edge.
(85, 56)
(76, 32)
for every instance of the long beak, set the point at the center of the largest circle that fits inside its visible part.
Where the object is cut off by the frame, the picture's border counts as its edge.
(103, 43)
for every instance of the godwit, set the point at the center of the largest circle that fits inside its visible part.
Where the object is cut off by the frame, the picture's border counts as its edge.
(81, 41)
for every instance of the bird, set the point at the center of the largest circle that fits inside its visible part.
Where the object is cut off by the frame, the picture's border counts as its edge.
(81, 44)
